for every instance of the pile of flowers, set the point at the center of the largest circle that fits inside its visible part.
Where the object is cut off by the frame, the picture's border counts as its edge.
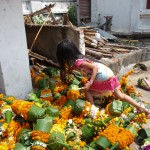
(57, 116)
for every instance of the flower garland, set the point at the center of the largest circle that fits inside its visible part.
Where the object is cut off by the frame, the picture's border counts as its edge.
(58, 128)
(37, 147)
(86, 110)
(84, 80)
(21, 108)
(60, 121)
(60, 86)
(73, 94)
(78, 120)
(40, 135)
(46, 95)
(4, 146)
(73, 134)
(66, 113)
(3, 130)
(128, 89)
(60, 101)
(12, 129)
(118, 134)
(140, 118)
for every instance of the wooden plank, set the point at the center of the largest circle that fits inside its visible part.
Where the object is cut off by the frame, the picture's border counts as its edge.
(97, 54)
(123, 46)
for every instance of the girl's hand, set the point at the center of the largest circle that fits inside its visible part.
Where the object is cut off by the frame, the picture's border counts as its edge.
(94, 70)
(87, 85)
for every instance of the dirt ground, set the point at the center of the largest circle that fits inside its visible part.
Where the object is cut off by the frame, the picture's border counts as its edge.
(145, 97)
(133, 81)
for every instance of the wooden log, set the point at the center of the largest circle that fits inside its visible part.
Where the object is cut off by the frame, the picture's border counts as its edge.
(104, 39)
(90, 39)
(108, 49)
(97, 54)
(40, 57)
(90, 43)
(105, 51)
(129, 41)
(85, 27)
(101, 42)
(87, 30)
(123, 46)
(101, 50)
(89, 33)
(121, 50)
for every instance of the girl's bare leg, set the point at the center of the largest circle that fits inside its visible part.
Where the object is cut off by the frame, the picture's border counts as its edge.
(119, 95)
(89, 97)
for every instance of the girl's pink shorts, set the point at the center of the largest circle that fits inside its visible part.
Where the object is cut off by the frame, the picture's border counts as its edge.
(109, 85)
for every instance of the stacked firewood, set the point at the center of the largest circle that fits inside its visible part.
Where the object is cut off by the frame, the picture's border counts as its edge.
(98, 47)
(93, 39)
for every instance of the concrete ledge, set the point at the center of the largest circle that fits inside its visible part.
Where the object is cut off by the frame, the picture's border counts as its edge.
(122, 63)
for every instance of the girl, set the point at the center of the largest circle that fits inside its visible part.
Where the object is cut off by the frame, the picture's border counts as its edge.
(101, 78)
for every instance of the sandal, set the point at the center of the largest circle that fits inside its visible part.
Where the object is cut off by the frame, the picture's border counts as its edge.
(144, 83)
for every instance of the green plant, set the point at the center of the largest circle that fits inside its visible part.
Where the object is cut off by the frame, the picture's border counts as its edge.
(72, 14)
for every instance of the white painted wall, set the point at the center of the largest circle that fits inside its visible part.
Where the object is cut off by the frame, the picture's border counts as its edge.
(15, 76)
(126, 14)
(60, 7)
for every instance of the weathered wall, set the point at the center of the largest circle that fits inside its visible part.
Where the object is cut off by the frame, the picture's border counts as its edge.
(129, 16)
(15, 78)
(50, 36)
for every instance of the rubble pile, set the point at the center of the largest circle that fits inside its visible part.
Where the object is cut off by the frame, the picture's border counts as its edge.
(98, 46)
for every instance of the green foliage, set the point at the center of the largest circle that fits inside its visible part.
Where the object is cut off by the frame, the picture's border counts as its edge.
(72, 14)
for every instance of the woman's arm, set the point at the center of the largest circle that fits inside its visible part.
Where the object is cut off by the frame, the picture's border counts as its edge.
(94, 70)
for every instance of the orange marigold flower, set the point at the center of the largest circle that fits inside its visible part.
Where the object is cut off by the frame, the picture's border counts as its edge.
(73, 94)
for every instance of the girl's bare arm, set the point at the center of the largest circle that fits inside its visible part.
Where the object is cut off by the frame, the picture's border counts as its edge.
(94, 70)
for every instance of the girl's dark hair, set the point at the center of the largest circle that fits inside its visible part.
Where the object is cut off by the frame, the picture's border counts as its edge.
(67, 53)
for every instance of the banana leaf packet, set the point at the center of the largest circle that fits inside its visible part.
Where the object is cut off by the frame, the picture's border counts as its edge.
(115, 108)
(24, 137)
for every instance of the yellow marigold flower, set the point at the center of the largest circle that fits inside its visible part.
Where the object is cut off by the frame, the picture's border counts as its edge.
(4, 146)
(70, 143)
(1, 96)
(58, 128)
(82, 144)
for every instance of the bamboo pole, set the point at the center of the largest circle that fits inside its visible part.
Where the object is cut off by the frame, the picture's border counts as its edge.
(40, 30)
